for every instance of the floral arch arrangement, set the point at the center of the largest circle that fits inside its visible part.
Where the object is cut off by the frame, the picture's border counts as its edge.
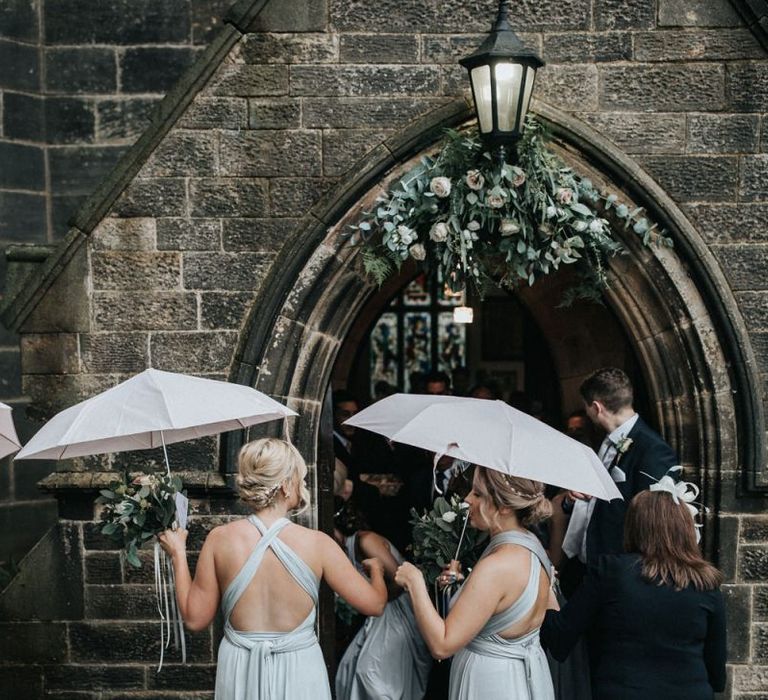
(482, 221)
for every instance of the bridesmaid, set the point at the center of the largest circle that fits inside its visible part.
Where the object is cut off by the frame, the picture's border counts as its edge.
(266, 571)
(493, 625)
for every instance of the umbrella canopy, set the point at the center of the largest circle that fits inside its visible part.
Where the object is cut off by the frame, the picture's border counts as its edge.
(490, 434)
(9, 441)
(149, 410)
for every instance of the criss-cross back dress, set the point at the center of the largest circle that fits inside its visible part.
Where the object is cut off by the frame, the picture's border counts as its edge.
(271, 665)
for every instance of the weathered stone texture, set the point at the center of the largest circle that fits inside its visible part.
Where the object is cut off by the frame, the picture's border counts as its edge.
(212, 197)
(361, 81)
(697, 13)
(103, 353)
(449, 48)
(619, 14)
(706, 45)
(754, 306)
(224, 309)
(641, 133)
(673, 88)
(241, 80)
(123, 120)
(733, 133)
(131, 311)
(378, 48)
(342, 148)
(693, 178)
(290, 195)
(188, 234)
(351, 113)
(753, 565)
(257, 235)
(125, 234)
(731, 223)
(198, 353)
(748, 87)
(570, 87)
(290, 48)
(130, 271)
(225, 271)
(587, 48)
(155, 197)
(216, 112)
(270, 153)
(183, 153)
(744, 265)
(754, 174)
(274, 114)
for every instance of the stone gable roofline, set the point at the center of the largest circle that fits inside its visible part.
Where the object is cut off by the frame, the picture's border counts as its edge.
(755, 16)
(21, 301)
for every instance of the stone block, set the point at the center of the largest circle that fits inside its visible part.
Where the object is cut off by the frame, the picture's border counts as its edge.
(731, 223)
(10, 372)
(75, 70)
(21, 681)
(153, 197)
(357, 113)
(198, 353)
(103, 568)
(18, 20)
(23, 217)
(455, 81)
(104, 353)
(189, 234)
(737, 610)
(379, 48)
(25, 74)
(78, 170)
(199, 455)
(264, 48)
(274, 114)
(224, 309)
(216, 112)
(120, 602)
(182, 154)
(22, 167)
(240, 80)
(342, 148)
(641, 133)
(50, 394)
(186, 677)
(63, 209)
(122, 22)
(78, 676)
(570, 87)
(41, 642)
(587, 48)
(124, 119)
(673, 88)
(126, 642)
(754, 307)
(228, 197)
(760, 603)
(456, 16)
(207, 19)
(748, 87)
(695, 178)
(129, 271)
(715, 133)
(94, 540)
(697, 13)
(27, 476)
(306, 16)
(759, 644)
(226, 271)
(753, 564)
(754, 170)
(139, 311)
(744, 266)
(138, 68)
(750, 678)
(69, 120)
(620, 14)
(362, 81)
(271, 153)
(23, 117)
(294, 196)
(704, 45)
(50, 353)
(137, 234)
(257, 235)
(754, 530)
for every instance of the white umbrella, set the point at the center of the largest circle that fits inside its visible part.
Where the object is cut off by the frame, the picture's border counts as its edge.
(152, 409)
(9, 441)
(490, 434)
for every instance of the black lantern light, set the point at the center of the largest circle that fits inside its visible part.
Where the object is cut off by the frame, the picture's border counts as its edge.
(502, 72)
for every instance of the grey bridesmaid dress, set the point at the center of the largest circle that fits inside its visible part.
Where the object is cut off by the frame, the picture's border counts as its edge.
(387, 659)
(493, 668)
(271, 665)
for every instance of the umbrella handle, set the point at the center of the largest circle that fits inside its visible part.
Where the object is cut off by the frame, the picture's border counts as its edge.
(461, 537)
(165, 453)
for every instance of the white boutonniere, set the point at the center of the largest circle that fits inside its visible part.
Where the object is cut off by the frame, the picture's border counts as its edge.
(622, 446)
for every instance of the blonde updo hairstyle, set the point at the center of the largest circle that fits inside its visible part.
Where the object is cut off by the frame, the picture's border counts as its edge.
(266, 468)
(524, 496)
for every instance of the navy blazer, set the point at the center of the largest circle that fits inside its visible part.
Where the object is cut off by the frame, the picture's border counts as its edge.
(648, 453)
(648, 642)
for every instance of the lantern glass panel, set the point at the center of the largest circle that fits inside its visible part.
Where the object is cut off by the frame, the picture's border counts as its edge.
(481, 85)
(509, 77)
(530, 76)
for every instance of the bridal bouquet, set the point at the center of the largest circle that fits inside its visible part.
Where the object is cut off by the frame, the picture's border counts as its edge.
(442, 534)
(135, 511)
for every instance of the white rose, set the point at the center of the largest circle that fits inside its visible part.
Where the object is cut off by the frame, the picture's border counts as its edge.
(407, 235)
(449, 517)
(475, 180)
(473, 226)
(509, 227)
(580, 225)
(519, 178)
(596, 226)
(441, 186)
(564, 195)
(494, 201)
(418, 252)
(551, 211)
(439, 232)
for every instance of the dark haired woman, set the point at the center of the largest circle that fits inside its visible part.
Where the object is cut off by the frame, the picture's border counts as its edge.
(493, 625)
(655, 614)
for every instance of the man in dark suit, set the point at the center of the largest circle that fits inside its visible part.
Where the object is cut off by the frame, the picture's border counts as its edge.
(632, 452)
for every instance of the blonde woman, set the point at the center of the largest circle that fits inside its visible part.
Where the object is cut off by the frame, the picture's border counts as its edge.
(493, 625)
(265, 571)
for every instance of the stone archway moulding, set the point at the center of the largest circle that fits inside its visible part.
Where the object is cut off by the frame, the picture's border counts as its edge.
(675, 306)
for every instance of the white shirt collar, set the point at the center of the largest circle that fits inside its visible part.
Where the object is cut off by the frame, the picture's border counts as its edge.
(343, 440)
(623, 429)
